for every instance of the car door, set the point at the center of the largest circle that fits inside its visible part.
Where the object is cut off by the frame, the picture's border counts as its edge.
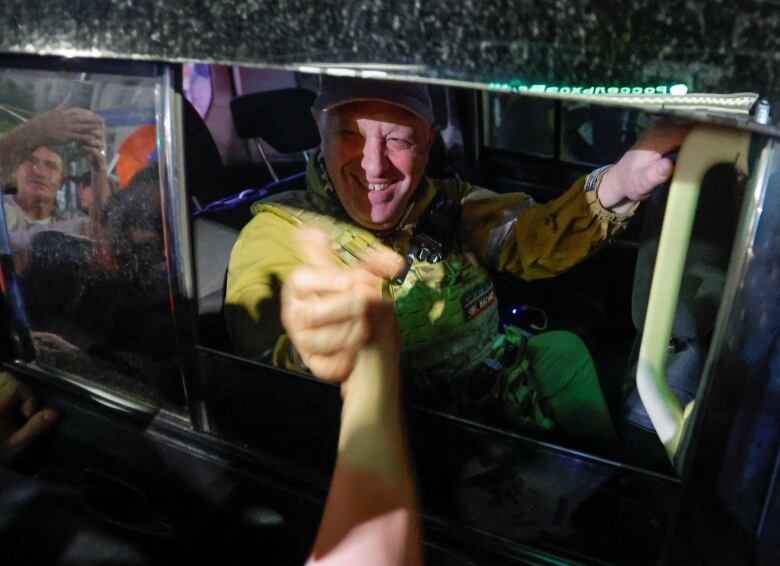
(97, 323)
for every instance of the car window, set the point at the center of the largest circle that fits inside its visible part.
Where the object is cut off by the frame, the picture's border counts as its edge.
(82, 203)
(571, 131)
(598, 134)
(546, 346)
(520, 124)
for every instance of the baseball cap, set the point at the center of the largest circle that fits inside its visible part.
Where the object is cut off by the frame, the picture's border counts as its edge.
(336, 91)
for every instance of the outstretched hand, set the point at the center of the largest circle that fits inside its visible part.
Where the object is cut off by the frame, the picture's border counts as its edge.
(84, 128)
(20, 423)
(330, 311)
(58, 126)
(643, 167)
(346, 332)
(93, 146)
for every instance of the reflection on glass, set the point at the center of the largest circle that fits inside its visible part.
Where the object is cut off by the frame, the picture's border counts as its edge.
(521, 124)
(81, 195)
(599, 134)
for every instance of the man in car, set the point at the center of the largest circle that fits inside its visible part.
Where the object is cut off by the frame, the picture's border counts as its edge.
(32, 161)
(367, 190)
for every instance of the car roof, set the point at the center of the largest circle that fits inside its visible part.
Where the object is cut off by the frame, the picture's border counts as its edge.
(580, 49)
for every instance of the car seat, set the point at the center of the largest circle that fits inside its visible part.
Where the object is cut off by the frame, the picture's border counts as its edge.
(204, 170)
(282, 119)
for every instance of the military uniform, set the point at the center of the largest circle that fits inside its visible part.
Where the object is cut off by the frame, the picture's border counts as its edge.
(446, 311)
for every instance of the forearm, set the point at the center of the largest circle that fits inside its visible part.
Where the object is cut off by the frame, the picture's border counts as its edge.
(548, 239)
(13, 149)
(371, 435)
(371, 513)
(100, 194)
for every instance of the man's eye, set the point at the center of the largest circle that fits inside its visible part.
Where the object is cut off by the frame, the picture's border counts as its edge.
(399, 143)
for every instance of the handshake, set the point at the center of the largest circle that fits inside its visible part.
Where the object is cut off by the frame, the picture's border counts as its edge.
(331, 312)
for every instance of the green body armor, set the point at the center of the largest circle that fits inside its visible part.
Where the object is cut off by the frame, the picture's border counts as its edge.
(448, 320)
(447, 313)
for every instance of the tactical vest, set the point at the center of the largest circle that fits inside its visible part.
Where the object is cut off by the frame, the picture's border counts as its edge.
(447, 312)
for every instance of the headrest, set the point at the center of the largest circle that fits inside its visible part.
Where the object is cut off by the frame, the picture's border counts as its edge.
(281, 118)
(204, 170)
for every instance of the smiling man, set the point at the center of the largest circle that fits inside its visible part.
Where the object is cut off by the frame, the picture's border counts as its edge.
(375, 154)
(366, 189)
(38, 179)
(33, 208)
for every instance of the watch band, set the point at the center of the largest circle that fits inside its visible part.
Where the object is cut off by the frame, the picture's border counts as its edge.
(594, 177)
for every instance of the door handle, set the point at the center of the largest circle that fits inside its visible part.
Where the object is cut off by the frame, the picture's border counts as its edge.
(704, 147)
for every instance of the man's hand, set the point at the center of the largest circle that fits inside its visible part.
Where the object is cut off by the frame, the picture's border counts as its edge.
(93, 147)
(50, 342)
(83, 127)
(55, 127)
(643, 167)
(330, 312)
(20, 424)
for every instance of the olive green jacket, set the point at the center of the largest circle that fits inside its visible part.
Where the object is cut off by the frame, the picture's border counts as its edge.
(446, 311)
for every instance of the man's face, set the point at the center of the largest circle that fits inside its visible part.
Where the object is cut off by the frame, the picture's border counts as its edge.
(85, 197)
(39, 176)
(375, 154)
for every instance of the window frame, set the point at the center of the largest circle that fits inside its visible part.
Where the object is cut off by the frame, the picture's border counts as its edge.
(167, 83)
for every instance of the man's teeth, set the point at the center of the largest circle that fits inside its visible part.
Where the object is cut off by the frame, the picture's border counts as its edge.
(378, 186)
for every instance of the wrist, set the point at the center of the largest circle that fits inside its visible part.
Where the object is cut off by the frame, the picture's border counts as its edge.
(374, 381)
(609, 190)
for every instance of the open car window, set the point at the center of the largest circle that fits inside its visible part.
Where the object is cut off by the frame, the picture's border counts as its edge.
(591, 315)
(575, 132)
(83, 214)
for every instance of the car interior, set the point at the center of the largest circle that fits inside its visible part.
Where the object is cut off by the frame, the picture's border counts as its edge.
(507, 143)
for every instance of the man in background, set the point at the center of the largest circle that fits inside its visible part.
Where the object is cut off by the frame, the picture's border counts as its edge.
(31, 159)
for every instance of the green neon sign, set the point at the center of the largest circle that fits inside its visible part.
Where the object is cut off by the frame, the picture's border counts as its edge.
(517, 86)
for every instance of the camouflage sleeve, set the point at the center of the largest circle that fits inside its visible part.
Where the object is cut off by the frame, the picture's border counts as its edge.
(513, 233)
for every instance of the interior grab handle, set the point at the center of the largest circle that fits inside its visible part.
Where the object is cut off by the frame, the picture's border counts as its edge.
(704, 147)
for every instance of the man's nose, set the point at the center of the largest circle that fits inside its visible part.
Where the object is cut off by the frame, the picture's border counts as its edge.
(375, 161)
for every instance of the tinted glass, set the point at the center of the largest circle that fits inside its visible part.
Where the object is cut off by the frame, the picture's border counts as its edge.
(598, 134)
(83, 213)
(521, 124)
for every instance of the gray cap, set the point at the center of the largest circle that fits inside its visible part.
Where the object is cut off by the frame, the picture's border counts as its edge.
(335, 91)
